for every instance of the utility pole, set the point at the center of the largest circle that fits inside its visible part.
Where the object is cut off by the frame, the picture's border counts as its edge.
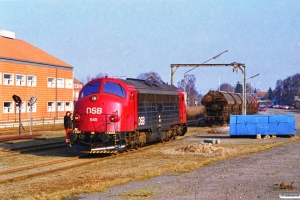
(31, 101)
(18, 102)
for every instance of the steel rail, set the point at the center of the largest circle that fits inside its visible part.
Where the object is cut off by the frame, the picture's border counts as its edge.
(25, 176)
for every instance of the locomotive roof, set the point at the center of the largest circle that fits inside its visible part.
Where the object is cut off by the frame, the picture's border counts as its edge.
(149, 87)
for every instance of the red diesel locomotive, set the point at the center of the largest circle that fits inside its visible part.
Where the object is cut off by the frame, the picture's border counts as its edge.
(112, 115)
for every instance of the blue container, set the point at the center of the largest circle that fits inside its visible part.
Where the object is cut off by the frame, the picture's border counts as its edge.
(262, 124)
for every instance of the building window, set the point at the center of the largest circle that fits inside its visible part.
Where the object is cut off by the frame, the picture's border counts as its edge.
(51, 82)
(60, 106)
(60, 82)
(8, 79)
(31, 80)
(76, 95)
(20, 80)
(33, 107)
(69, 106)
(8, 107)
(69, 83)
(51, 106)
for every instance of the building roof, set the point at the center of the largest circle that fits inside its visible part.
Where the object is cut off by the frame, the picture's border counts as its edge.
(19, 50)
(261, 94)
(77, 81)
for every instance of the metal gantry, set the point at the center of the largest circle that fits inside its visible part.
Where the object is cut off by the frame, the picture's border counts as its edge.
(236, 66)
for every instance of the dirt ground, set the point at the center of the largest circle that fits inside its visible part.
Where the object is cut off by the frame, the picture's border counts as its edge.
(183, 169)
(264, 175)
(252, 176)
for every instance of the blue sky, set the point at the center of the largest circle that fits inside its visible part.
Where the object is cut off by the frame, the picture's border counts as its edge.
(130, 37)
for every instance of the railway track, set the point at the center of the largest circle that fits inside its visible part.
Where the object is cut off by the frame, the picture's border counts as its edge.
(192, 122)
(32, 148)
(41, 169)
(19, 137)
(29, 171)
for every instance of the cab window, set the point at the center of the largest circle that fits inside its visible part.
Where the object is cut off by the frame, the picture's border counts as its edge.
(114, 88)
(90, 89)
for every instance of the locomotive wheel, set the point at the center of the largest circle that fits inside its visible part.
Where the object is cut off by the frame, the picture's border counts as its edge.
(142, 138)
(125, 150)
(184, 131)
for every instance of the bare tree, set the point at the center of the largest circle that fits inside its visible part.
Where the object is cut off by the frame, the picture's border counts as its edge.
(287, 89)
(145, 75)
(89, 78)
(101, 75)
(191, 92)
(226, 87)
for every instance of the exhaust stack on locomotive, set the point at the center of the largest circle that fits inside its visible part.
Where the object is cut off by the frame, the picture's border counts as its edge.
(114, 114)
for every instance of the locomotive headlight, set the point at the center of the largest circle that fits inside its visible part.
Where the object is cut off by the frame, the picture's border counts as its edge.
(77, 117)
(114, 118)
(94, 98)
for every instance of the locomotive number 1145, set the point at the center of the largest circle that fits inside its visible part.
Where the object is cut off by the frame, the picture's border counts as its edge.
(94, 110)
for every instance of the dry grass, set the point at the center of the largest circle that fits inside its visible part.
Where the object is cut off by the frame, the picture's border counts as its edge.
(139, 165)
(26, 129)
(194, 112)
(116, 170)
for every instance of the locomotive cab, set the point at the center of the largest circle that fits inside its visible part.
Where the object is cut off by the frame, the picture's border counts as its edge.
(98, 116)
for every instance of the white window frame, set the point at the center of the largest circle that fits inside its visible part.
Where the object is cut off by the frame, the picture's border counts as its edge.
(69, 83)
(33, 107)
(77, 95)
(60, 83)
(10, 108)
(51, 106)
(8, 81)
(20, 82)
(51, 82)
(61, 106)
(31, 82)
(68, 107)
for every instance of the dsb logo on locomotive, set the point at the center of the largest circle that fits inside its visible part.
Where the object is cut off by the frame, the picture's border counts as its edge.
(94, 110)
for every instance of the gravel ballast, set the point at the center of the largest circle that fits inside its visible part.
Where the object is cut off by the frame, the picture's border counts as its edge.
(250, 176)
